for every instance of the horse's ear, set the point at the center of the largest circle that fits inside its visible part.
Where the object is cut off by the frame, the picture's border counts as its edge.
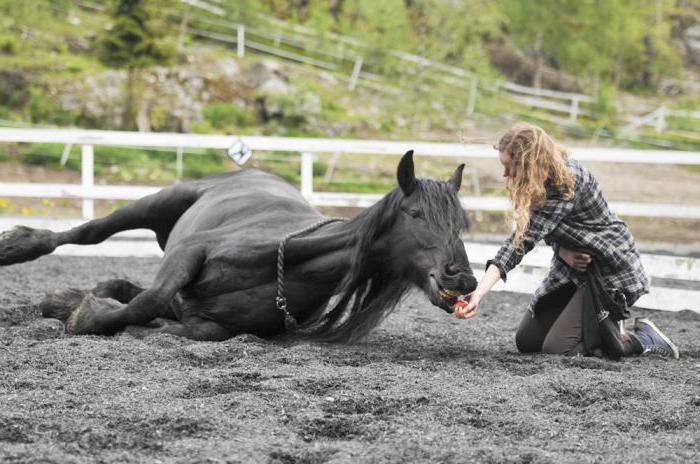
(406, 174)
(456, 179)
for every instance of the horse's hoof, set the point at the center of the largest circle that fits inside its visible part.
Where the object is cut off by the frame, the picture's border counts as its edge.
(61, 303)
(86, 319)
(25, 244)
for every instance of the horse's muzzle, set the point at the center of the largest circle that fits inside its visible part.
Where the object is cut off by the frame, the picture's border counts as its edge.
(445, 289)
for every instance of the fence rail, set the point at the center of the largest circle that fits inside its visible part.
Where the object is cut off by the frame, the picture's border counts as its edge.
(307, 147)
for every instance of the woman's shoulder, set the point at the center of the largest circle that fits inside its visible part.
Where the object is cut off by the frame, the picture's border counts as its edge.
(582, 176)
(575, 166)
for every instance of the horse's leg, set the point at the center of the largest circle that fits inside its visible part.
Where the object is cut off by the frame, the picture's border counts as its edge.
(158, 212)
(107, 316)
(124, 291)
(61, 303)
(118, 289)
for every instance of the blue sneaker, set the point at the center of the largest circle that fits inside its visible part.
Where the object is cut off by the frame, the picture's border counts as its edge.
(653, 341)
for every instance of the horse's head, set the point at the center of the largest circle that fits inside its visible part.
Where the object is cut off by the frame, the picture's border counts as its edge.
(424, 242)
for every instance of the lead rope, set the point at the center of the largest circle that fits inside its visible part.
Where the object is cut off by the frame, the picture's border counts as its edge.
(290, 323)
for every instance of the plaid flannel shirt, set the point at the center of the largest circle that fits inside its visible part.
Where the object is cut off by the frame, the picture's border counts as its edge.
(586, 223)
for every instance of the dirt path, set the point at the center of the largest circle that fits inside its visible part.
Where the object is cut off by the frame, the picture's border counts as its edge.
(423, 388)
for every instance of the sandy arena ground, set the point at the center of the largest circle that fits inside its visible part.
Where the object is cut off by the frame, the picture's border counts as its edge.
(424, 387)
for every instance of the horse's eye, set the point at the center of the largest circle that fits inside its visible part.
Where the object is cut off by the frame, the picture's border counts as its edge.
(414, 213)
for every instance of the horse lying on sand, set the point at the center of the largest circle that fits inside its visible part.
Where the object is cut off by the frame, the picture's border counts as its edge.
(245, 253)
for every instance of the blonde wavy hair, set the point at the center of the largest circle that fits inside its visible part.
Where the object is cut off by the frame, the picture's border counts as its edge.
(536, 158)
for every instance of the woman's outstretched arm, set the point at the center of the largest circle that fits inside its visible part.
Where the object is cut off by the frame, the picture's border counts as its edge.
(489, 279)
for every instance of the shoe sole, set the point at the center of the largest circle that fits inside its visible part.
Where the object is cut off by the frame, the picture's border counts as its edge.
(674, 348)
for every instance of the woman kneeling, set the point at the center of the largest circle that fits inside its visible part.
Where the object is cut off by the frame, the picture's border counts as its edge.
(596, 270)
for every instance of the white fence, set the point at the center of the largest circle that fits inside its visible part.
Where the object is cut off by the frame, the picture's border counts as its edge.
(525, 279)
(88, 191)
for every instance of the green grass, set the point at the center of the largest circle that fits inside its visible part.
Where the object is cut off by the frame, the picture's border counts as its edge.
(694, 168)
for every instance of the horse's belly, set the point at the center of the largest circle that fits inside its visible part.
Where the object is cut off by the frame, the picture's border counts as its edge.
(248, 311)
(254, 310)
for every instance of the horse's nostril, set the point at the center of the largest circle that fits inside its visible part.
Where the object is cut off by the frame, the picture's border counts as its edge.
(452, 269)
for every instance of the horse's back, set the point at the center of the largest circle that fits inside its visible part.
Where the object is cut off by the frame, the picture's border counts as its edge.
(248, 201)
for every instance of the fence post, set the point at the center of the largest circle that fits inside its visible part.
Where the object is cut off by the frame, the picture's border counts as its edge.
(277, 38)
(183, 28)
(660, 119)
(355, 72)
(573, 112)
(179, 163)
(307, 175)
(331, 167)
(340, 51)
(240, 41)
(472, 96)
(87, 171)
(476, 186)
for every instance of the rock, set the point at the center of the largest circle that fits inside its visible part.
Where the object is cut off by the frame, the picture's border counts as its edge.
(14, 85)
(172, 99)
(267, 78)
(691, 45)
(521, 68)
(309, 103)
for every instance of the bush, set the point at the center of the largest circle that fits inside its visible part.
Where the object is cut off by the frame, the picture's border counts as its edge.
(47, 154)
(604, 105)
(222, 115)
(200, 165)
(8, 45)
(43, 110)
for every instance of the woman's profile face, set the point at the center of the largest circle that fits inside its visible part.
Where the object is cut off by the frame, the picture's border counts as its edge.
(507, 162)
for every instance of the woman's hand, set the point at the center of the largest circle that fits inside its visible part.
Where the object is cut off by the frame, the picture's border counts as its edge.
(577, 259)
(489, 279)
(468, 310)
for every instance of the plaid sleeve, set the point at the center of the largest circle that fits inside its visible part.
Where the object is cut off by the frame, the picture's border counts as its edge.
(543, 221)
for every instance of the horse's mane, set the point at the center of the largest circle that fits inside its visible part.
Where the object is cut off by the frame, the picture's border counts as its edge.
(370, 293)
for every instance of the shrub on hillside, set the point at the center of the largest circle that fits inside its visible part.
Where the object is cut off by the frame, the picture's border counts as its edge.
(42, 110)
(221, 115)
(8, 45)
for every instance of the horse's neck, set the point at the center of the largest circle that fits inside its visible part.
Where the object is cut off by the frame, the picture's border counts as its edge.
(330, 250)
(332, 239)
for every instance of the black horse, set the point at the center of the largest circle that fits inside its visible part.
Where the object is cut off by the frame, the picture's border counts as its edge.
(221, 238)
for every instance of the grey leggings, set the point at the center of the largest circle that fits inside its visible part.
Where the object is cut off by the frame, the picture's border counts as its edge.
(558, 326)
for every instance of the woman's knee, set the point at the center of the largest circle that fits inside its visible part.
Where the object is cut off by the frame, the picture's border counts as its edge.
(525, 342)
(566, 347)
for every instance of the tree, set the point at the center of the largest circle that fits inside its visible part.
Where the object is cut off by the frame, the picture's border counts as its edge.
(455, 32)
(133, 43)
(626, 42)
